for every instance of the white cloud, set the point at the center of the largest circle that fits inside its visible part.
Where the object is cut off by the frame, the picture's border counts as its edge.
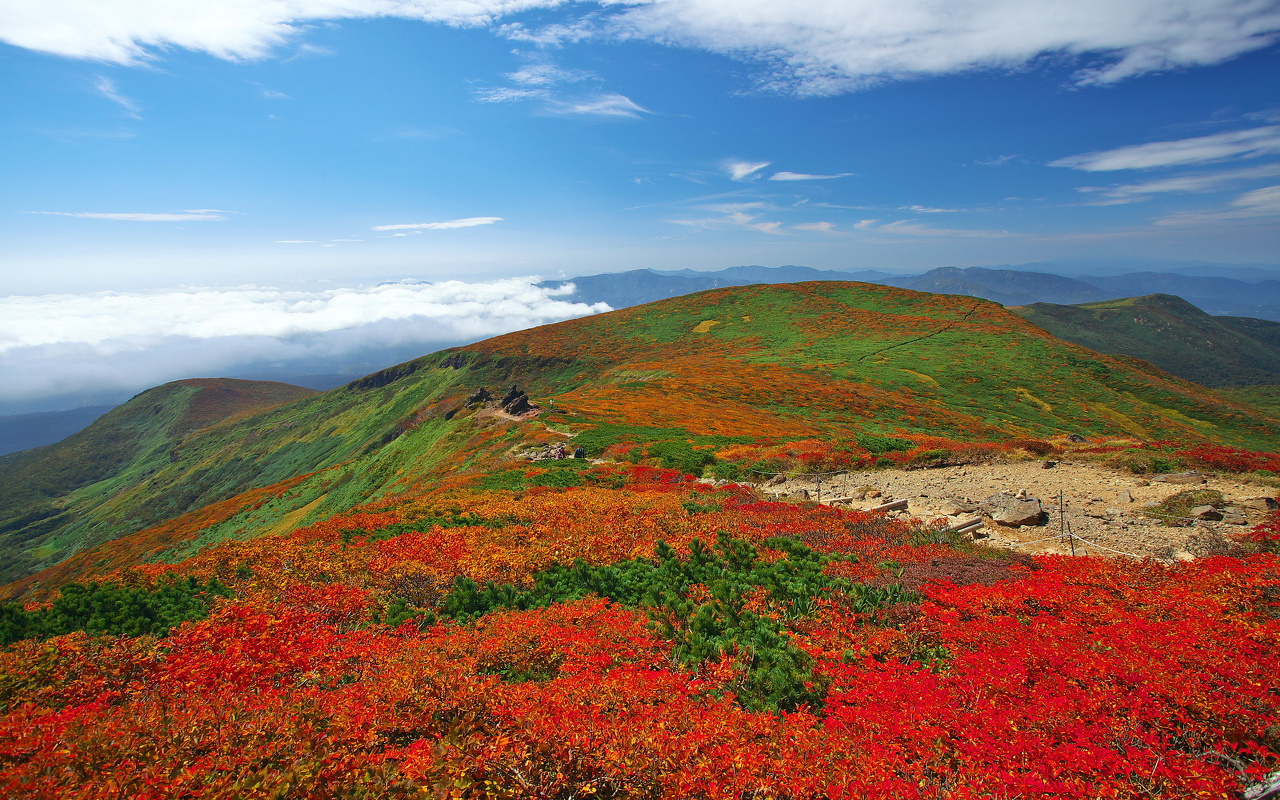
(734, 215)
(603, 105)
(742, 170)
(1191, 183)
(814, 47)
(541, 81)
(999, 161)
(908, 227)
(60, 344)
(186, 216)
(803, 176)
(1248, 143)
(295, 241)
(509, 94)
(272, 94)
(547, 75)
(107, 88)
(829, 47)
(819, 227)
(468, 222)
(929, 210)
(1257, 204)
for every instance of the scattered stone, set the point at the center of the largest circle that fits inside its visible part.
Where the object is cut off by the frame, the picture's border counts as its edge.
(1049, 465)
(1206, 513)
(1183, 555)
(799, 494)
(1125, 497)
(1142, 483)
(1180, 478)
(1076, 438)
(456, 361)
(1260, 504)
(1234, 515)
(954, 508)
(872, 493)
(480, 395)
(776, 480)
(1007, 509)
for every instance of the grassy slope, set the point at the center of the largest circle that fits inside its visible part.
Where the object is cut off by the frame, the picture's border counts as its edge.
(1172, 334)
(832, 358)
(820, 359)
(43, 490)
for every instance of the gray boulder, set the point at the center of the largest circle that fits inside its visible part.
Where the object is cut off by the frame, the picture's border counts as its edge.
(1206, 513)
(1007, 509)
(1260, 504)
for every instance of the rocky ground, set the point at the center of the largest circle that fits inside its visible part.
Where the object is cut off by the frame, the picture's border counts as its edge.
(1102, 507)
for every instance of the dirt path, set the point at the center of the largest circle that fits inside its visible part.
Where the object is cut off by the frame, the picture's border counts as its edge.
(1101, 505)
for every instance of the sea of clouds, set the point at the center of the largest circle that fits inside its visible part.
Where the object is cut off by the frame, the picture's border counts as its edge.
(62, 350)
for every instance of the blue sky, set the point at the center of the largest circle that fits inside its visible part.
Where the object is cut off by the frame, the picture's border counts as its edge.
(312, 144)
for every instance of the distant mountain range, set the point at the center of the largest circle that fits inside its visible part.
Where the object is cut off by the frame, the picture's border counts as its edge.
(24, 431)
(1254, 291)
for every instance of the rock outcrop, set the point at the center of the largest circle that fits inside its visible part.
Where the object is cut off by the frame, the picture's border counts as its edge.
(1008, 509)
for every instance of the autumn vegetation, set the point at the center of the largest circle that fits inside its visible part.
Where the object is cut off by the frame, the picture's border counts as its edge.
(371, 595)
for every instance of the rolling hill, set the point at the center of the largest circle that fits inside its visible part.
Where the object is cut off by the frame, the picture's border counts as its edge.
(45, 489)
(826, 359)
(371, 592)
(1172, 334)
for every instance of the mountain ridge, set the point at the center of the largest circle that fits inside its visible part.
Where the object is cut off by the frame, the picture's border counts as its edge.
(827, 360)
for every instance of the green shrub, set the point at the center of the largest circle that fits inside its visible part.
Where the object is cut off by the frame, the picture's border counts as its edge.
(876, 444)
(112, 609)
(712, 624)
(1175, 511)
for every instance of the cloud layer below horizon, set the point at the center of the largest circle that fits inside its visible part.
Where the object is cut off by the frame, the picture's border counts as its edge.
(63, 345)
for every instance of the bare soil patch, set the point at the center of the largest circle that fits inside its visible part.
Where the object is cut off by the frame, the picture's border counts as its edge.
(1103, 507)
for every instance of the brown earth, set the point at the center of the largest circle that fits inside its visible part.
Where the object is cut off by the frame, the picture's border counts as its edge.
(1101, 506)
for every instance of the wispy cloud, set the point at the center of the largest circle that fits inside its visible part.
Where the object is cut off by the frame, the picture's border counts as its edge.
(910, 227)
(107, 88)
(999, 161)
(185, 216)
(60, 344)
(744, 170)
(929, 210)
(818, 227)
(807, 47)
(603, 105)
(746, 216)
(1190, 183)
(804, 176)
(509, 94)
(467, 222)
(545, 81)
(1218, 147)
(1258, 204)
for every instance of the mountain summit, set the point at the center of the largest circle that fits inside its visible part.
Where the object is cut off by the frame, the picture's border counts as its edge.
(823, 359)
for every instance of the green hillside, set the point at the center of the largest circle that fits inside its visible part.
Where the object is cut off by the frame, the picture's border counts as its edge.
(1172, 334)
(825, 360)
(45, 490)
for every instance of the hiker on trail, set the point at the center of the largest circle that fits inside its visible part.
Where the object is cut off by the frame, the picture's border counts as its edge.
(561, 452)
(581, 452)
